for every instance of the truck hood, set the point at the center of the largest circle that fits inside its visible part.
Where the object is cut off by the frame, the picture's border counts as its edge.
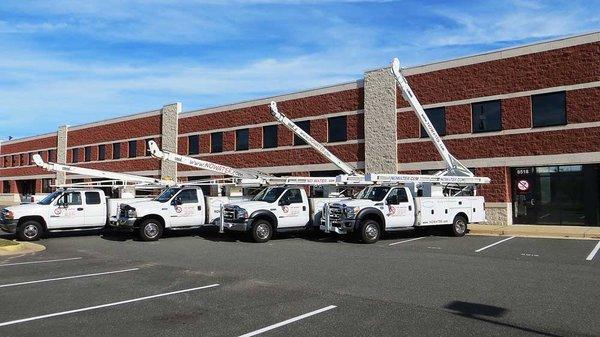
(26, 209)
(251, 206)
(355, 203)
(147, 206)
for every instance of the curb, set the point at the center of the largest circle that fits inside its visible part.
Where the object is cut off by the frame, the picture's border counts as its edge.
(556, 232)
(21, 248)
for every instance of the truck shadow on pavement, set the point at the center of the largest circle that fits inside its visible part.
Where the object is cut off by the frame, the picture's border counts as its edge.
(486, 313)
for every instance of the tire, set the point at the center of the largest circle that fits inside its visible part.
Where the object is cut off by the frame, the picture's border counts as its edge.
(30, 230)
(459, 226)
(369, 231)
(262, 231)
(150, 230)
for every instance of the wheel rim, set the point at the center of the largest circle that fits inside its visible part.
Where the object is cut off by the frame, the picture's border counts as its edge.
(151, 230)
(30, 231)
(262, 231)
(371, 231)
(459, 226)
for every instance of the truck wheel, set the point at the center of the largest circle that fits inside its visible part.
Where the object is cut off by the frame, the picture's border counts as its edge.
(459, 226)
(150, 230)
(30, 230)
(262, 231)
(369, 231)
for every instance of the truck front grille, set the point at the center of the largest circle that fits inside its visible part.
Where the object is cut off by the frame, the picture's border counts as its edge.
(335, 216)
(228, 214)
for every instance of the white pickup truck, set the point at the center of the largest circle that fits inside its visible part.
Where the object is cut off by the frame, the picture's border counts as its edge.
(68, 209)
(175, 208)
(387, 208)
(277, 208)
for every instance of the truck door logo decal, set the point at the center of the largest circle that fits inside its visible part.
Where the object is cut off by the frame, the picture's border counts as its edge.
(57, 211)
(285, 209)
(178, 209)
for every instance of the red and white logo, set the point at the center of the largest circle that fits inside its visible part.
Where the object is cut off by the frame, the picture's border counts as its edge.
(285, 209)
(178, 209)
(57, 211)
(523, 185)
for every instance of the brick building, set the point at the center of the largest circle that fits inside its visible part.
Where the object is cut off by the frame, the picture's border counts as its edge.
(527, 117)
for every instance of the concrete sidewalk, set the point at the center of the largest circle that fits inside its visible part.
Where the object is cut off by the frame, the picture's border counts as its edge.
(546, 231)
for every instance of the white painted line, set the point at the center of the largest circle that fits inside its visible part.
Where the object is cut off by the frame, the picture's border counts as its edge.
(68, 277)
(286, 322)
(409, 240)
(493, 244)
(104, 305)
(529, 254)
(593, 252)
(42, 261)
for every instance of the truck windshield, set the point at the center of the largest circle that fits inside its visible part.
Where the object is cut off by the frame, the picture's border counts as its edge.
(374, 193)
(50, 198)
(167, 194)
(269, 194)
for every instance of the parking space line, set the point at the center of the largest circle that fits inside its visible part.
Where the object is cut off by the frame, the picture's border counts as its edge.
(593, 252)
(68, 277)
(493, 244)
(409, 240)
(291, 320)
(42, 261)
(105, 305)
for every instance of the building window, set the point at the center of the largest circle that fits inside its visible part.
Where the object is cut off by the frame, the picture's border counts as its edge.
(6, 186)
(117, 151)
(31, 158)
(194, 144)
(241, 140)
(549, 109)
(101, 152)
(15, 160)
(132, 148)
(46, 185)
(52, 155)
(336, 129)
(486, 116)
(437, 116)
(216, 142)
(23, 162)
(75, 153)
(305, 126)
(269, 136)
(87, 154)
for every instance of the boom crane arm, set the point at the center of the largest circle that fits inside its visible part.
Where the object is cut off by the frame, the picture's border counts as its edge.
(347, 169)
(99, 173)
(198, 163)
(453, 166)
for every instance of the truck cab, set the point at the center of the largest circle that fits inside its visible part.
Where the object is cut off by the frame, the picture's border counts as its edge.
(62, 210)
(275, 208)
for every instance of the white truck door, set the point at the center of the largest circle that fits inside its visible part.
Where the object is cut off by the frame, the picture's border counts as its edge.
(399, 209)
(186, 210)
(95, 209)
(68, 212)
(292, 209)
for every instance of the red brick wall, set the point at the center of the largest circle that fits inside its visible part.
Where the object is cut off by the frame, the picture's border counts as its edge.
(583, 105)
(499, 188)
(133, 128)
(566, 66)
(408, 125)
(458, 119)
(30, 145)
(516, 113)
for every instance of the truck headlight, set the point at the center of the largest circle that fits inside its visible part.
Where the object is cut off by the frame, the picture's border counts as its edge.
(131, 213)
(9, 215)
(241, 213)
(350, 212)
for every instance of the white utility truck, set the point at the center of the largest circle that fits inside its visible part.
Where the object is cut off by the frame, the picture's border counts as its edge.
(400, 201)
(283, 205)
(177, 207)
(71, 208)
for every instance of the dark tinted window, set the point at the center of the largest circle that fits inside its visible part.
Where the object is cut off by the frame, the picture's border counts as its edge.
(486, 116)
(216, 142)
(73, 198)
(188, 196)
(269, 136)
(87, 154)
(75, 155)
(132, 148)
(52, 155)
(305, 126)
(437, 116)
(336, 129)
(549, 109)
(92, 198)
(241, 140)
(101, 152)
(46, 188)
(194, 144)
(116, 150)
(293, 196)
(399, 194)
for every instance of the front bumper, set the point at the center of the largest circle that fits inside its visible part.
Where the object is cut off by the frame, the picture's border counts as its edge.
(9, 225)
(241, 225)
(342, 226)
(124, 223)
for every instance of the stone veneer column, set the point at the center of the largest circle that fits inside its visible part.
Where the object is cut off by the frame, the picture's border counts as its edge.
(170, 132)
(61, 152)
(381, 151)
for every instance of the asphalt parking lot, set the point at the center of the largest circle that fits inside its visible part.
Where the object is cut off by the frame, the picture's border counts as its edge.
(201, 283)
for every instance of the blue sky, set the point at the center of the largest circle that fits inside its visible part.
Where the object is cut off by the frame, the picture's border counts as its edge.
(72, 62)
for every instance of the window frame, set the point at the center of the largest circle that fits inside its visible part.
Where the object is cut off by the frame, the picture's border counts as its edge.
(131, 154)
(87, 193)
(116, 153)
(423, 132)
(297, 140)
(75, 155)
(102, 152)
(219, 149)
(482, 104)
(330, 126)
(193, 145)
(274, 142)
(564, 120)
(237, 138)
(87, 153)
